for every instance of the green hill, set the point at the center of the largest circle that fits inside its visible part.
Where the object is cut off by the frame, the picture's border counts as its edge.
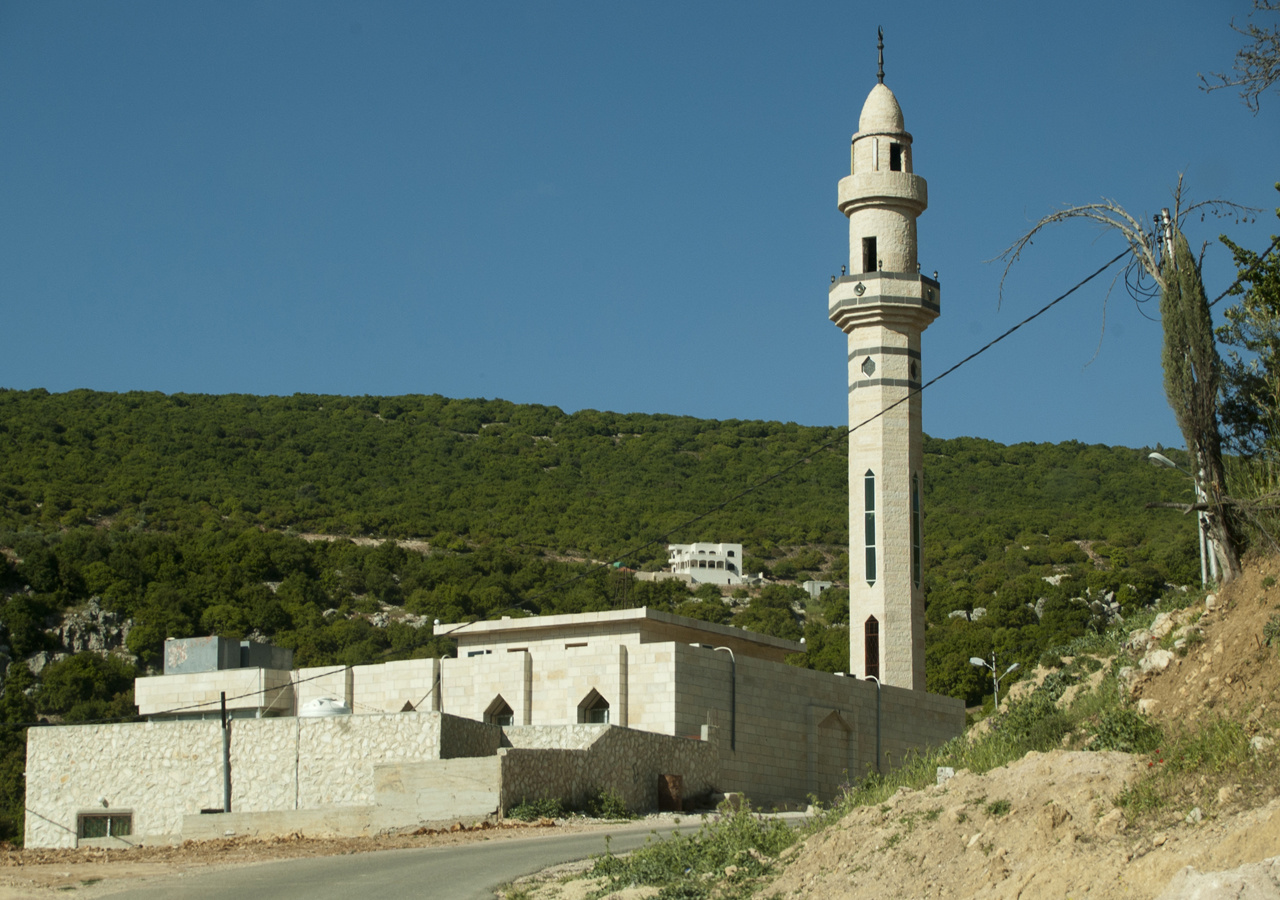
(178, 512)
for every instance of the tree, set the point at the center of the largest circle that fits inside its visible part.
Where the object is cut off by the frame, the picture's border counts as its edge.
(1192, 371)
(1257, 65)
(1190, 357)
(1251, 383)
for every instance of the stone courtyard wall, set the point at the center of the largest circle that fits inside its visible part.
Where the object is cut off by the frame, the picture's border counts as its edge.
(158, 771)
(623, 760)
(798, 731)
(163, 771)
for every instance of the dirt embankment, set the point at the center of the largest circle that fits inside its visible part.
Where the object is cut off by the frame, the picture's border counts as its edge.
(1046, 827)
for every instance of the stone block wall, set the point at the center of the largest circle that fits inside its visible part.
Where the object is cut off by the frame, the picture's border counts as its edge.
(317, 682)
(268, 690)
(158, 771)
(461, 738)
(801, 732)
(553, 737)
(620, 759)
(387, 687)
(162, 771)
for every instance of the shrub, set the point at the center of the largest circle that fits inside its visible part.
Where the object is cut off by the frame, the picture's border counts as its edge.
(677, 864)
(607, 804)
(1125, 730)
(532, 810)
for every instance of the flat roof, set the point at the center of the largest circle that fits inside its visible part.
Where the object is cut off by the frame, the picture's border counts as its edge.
(708, 632)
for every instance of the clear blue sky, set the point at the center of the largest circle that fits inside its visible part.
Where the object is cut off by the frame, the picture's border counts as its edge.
(594, 205)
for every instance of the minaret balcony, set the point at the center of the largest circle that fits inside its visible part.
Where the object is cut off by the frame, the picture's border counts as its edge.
(906, 298)
(882, 188)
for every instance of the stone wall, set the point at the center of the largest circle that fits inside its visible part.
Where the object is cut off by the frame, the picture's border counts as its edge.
(797, 731)
(623, 760)
(461, 738)
(162, 771)
(159, 771)
(387, 687)
(266, 690)
(553, 737)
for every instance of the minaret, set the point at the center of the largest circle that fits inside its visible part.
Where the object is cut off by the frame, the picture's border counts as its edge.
(883, 305)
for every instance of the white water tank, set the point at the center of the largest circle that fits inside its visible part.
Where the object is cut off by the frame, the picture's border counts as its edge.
(323, 706)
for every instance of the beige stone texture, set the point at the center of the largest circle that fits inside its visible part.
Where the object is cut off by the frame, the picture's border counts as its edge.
(269, 691)
(318, 682)
(158, 771)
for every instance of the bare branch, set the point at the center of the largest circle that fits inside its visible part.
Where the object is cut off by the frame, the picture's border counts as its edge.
(1257, 65)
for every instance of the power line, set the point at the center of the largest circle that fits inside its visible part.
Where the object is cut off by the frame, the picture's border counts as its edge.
(831, 443)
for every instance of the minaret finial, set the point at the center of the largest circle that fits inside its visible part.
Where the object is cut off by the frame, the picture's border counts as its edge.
(880, 47)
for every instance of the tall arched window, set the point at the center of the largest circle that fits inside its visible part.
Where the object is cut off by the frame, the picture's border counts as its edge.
(871, 648)
(915, 529)
(869, 523)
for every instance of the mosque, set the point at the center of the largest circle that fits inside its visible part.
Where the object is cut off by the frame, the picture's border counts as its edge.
(661, 709)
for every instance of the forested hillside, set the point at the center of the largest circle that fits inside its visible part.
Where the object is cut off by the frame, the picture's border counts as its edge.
(176, 511)
(182, 514)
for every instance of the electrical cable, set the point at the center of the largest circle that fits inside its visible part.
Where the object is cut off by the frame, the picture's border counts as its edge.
(807, 457)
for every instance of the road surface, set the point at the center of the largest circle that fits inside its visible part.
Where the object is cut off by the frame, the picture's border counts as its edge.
(467, 872)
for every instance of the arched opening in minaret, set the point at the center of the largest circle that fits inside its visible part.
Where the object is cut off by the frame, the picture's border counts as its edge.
(869, 524)
(871, 648)
(895, 157)
(868, 254)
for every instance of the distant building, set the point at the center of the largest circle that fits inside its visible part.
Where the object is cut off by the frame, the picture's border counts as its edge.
(707, 563)
(814, 588)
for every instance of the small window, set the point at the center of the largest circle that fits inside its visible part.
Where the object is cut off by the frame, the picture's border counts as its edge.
(871, 648)
(517, 649)
(594, 709)
(100, 825)
(471, 653)
(895, 157)
(868, 254)
(575, 646)
(729, 553)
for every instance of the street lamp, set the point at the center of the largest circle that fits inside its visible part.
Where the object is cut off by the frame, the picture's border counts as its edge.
(983, 664)
(1208, 554)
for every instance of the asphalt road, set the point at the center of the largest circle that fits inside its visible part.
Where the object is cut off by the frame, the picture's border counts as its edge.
(464, 872)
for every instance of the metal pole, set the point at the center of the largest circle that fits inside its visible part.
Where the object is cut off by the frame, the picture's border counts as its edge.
(995, 678)
(226, 757)
(733, 698)
(877, 681)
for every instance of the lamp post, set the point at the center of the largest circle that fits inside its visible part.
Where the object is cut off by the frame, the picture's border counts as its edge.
(983, 664)
(1208, 554)
(877, 681)
(733, 698)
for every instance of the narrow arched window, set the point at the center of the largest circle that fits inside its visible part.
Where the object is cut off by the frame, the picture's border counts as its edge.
(915, 529)
(871, 648)
(594, 709)
(869, 523)
(500, 713)
(895, 157)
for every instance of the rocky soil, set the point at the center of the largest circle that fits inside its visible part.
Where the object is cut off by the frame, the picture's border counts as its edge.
(1046, 826)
